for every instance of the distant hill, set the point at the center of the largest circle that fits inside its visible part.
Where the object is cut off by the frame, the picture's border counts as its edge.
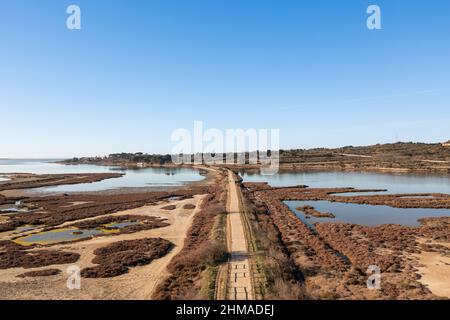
(422, 151)
(400, 154)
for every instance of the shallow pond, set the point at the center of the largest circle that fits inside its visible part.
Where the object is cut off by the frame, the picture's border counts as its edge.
(394, 183)
(71, 234)
(365, 214)
(133, 178)
(59, 235)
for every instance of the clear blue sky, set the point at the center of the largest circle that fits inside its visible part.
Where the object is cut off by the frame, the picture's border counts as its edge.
(140, 69)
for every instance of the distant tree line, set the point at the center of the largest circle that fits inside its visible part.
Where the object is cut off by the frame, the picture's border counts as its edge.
(140, 157)
(123, 157)
(388, 150)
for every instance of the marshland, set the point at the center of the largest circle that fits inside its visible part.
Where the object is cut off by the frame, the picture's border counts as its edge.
(162, 232)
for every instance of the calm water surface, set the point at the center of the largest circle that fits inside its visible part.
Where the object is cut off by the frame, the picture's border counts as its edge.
(359, 213)
(365, 214)
(133, 178)
(394, 183)
(56, 236)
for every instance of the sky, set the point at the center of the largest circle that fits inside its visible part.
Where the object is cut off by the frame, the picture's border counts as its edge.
(138, 70)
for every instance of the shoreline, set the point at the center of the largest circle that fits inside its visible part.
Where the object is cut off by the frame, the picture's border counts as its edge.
(300, 167)
(26, 191)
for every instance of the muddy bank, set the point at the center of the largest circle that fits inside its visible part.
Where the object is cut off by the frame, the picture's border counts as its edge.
(28, 181)
(310, 211)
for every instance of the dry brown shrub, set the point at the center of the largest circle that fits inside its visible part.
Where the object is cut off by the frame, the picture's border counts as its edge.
(287, 290)
(169, 207)
(35, 259)
(207, 253)
(40, 273)
(115, 259)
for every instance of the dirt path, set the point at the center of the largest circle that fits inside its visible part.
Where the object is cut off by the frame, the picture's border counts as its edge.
(239, 285)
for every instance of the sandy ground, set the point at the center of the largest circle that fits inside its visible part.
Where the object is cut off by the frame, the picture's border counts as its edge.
(435, 271)
(139, 283)
(239, 277)
(15, 193)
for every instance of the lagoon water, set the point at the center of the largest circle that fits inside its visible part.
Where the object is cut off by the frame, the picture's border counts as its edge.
(56, 236)
(365, 214)
(359, 213)
(393, 182)
(133, 178)
(71, 234)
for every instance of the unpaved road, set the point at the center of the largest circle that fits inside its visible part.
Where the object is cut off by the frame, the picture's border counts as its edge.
(239, 285)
